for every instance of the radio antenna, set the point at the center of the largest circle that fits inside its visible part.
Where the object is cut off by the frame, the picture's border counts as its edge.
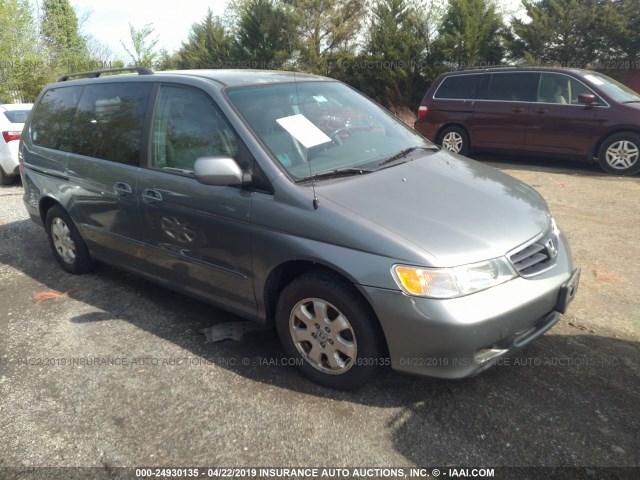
(316, 201)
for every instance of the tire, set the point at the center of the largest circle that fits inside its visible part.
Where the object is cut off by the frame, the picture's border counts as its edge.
(6, 179)
(65, 241)
(339, 343)
(620, 154)
(454, 139)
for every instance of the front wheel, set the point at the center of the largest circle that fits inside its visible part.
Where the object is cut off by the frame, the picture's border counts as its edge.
(66, 243)
(324, 323)
(619, 154)
(454, 139)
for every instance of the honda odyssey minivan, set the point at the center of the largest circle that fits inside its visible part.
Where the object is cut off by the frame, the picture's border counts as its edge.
(295, 201)
(551, 111)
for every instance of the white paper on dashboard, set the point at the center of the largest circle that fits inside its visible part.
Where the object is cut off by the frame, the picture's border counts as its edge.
(303, 130)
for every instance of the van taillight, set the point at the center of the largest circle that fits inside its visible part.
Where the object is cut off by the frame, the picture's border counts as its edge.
(11, 135)
(422, 111)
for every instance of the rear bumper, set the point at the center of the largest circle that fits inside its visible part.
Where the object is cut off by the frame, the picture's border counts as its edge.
(426, 129)
(461, 337)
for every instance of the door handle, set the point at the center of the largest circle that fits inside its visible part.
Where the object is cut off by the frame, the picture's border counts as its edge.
(122, 189)
(517, 109)
(543, 110)
(152, 195)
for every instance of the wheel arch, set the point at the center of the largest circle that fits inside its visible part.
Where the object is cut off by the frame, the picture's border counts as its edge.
(45, 204)
(596, 149)
(453, 124)
(287, 272)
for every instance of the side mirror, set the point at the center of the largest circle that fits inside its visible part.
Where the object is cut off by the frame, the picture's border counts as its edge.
(586, 98)
(220, 171)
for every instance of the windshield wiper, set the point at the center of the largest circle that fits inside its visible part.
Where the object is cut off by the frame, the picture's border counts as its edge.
(404, 153)
(340, 172)
(632, 101)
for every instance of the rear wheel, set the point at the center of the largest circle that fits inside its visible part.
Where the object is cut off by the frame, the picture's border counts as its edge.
(454, 139)
(619, 154)
(65, 241)
(325, 324)
(5, 179)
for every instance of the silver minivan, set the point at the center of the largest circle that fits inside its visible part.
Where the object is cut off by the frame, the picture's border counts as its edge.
(295, 201)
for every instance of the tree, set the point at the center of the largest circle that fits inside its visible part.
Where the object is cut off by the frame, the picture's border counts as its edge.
(60, 34)
(624, 26)
(471, 34)
(209, 45)
(143, 51)
(395, 52)
(325, 27)
(564, 32)
(264, 32)
(23, 70)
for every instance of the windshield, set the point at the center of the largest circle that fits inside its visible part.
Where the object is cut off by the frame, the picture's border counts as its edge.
(313, 128)
(614, 89)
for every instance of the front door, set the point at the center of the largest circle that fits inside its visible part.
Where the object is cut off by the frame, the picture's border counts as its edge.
(197, 236)
(558, 122)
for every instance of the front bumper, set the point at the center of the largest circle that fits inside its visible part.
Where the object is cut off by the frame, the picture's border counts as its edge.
(461, 337)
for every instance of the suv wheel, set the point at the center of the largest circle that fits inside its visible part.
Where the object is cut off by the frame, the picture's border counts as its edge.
(619, 154)
(325, 324)
(66, 243)
(454, 139)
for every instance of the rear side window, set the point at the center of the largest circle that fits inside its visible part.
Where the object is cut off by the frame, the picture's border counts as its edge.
(513, 87)
(460, 87)
(109, 121)
(51, 124)
(16, 116)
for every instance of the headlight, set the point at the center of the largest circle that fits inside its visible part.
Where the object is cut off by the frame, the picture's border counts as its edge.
(452, 282)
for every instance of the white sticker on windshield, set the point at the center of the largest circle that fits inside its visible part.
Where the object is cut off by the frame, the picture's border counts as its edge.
(303, 130)
(593, 79)
(319, 98)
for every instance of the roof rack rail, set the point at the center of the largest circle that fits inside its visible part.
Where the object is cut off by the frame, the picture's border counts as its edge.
(489, 68)
(97, 73)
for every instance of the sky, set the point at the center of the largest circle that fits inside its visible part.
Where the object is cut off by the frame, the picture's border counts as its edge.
(108, 21)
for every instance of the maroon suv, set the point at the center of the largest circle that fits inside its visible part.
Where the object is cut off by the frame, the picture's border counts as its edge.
(553, 111)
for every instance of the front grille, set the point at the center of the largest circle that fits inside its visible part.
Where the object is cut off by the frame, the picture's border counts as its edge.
(536, 257)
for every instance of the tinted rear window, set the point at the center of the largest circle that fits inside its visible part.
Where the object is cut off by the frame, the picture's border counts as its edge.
(462, 87)
(17, 116)
(51, 124)
(109, 121)
(514, 87)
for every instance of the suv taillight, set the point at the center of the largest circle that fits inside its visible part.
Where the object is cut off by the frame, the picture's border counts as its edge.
(422, 111)
(11, 135)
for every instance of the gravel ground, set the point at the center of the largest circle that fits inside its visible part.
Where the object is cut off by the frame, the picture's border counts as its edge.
(572, 398)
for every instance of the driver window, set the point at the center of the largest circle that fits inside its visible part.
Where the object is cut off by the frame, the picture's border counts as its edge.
(186, 126)
(577, 88)
(554, 88)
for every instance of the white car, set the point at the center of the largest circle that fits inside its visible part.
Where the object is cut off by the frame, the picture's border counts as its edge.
(12, 117)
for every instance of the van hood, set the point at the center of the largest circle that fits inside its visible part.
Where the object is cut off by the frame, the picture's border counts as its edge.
(457, 210)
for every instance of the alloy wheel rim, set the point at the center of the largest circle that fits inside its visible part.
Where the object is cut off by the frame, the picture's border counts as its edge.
(62, 240)
(323, 336)
(452, 141)
(622, 155)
